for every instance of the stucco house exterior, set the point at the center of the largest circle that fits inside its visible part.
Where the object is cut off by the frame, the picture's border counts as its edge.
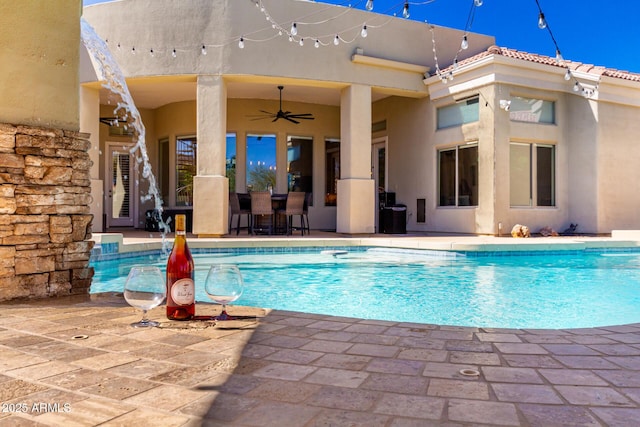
(471, 140)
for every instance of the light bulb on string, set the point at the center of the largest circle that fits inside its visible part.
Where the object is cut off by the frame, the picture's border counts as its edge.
(301, 43)
(559, 57)
(316, 44)
(405, 10)
(465, 43)
(294, 29)
(369, 5)
(151, 52)
(174, 53)
(203, 50)
(542, 23)
(364, 33)
(290, 38)
(336, 40)
(241, 43)
(567, 75)
(576, 87)
(478, 3)
(133, 50)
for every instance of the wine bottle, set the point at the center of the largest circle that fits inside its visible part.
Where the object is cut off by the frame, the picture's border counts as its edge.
(180, 276)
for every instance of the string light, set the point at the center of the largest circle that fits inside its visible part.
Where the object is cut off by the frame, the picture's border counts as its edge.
(542, 23)
(465, 43)
(577, 86)
(405, 10)
(292, 30)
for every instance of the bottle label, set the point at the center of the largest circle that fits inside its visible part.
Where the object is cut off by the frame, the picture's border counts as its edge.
(183, 291)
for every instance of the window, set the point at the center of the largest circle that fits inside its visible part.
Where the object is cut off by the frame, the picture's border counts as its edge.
(532, 175)
(186, 148)
(163, 169)
(464, 111)
(300, 164)
(458, 176)
(261, 162)
(532, 110)
(231, 161)
(332, 171)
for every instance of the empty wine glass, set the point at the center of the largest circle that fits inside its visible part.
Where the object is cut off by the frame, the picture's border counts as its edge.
(145, 289)
(223, 286)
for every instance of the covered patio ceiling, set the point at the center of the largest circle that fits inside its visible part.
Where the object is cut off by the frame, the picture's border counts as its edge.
(154, 92)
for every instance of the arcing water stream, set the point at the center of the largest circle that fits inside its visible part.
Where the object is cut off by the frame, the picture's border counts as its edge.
(110, 73)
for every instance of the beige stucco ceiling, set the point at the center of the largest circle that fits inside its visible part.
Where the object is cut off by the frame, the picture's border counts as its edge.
(154, 92)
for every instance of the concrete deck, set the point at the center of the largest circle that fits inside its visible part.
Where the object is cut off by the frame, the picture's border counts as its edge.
(76, 362)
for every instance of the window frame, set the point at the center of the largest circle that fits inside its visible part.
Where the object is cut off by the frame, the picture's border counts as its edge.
(185, 168)
(467, 108)
(332, 175)
(520, 114)
(269, 173)
(457, 197)
(231, 160)
(308, 142)
(534, 175)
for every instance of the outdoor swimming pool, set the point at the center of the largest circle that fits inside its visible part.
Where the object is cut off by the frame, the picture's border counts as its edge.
(574, 290)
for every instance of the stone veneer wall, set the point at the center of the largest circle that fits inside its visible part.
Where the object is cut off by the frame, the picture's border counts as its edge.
(44, 212)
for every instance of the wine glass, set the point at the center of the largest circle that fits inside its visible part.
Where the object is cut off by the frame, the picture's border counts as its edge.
(223, 286)
(145, 289)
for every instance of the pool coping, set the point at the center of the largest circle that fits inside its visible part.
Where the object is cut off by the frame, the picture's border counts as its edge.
(128, 243)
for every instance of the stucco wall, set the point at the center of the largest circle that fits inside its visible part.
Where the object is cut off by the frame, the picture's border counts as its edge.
(39, 68)
(164, 25)
(618, 189)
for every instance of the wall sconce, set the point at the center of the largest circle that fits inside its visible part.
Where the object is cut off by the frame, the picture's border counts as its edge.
(505, 104)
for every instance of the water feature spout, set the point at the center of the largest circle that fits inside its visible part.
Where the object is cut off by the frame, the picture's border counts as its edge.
(113, 79)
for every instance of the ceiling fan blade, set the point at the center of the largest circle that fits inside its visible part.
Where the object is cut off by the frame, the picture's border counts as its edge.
(291, 120)
(301, 116)
(268, 112)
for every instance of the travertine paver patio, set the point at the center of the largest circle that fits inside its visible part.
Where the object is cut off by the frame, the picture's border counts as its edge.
(76, 361)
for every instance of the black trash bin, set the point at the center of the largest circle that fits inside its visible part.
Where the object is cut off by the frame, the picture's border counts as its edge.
(152, 220)
(393, 219)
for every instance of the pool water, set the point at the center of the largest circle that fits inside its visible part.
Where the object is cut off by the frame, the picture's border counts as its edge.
(526, 291)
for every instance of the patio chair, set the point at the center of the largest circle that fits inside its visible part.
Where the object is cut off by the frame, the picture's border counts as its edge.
(261, 212)
(295, 206)
(237, 210)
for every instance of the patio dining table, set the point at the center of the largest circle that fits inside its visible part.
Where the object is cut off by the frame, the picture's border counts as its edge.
(278, 202)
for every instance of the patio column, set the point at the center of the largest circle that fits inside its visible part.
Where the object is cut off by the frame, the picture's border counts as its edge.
(356, 192)
(210, 185)
(90, 123)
